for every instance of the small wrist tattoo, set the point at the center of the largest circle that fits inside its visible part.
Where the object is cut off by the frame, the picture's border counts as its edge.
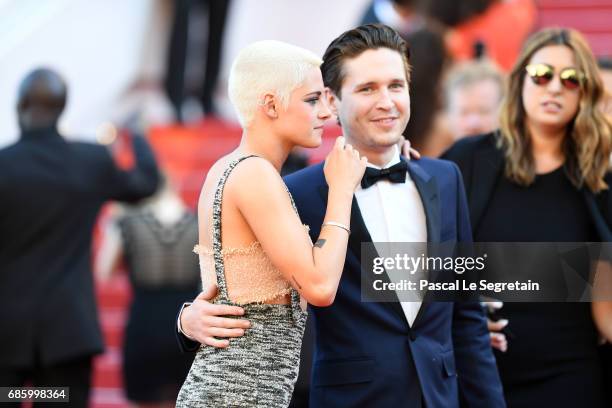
(320, 243)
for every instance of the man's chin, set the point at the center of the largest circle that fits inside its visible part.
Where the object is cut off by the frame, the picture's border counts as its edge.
(388, 139)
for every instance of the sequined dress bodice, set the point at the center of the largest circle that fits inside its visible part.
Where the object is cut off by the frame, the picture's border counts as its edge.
(258, 369)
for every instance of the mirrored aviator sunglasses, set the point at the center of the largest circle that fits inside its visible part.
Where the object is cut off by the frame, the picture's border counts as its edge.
(542, 74)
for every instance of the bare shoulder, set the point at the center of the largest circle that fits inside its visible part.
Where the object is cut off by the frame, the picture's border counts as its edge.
(255, 178)
(255, 171)
(213, 175)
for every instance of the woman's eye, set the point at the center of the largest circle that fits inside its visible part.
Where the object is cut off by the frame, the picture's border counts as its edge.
(397, 85)
(312, 101)
(366, 89)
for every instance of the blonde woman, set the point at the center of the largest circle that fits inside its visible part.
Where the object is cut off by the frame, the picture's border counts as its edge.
(252, 244)
(544, 177)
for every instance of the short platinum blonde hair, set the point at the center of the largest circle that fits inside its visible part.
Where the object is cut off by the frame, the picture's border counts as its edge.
(267, 67)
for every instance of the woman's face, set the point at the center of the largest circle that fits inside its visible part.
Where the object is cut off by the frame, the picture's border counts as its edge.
(553, 103)
(302, 122)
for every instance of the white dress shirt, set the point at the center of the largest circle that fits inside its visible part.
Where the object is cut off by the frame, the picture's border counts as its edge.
(393, 212)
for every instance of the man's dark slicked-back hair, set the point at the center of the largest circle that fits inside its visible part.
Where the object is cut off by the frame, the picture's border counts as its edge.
(353, 43)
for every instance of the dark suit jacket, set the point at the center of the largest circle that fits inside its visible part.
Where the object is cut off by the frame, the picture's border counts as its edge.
(51, 191)
(366, 354)
(482, 165)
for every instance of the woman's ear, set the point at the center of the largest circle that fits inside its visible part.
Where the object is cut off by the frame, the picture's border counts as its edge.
(269, 106)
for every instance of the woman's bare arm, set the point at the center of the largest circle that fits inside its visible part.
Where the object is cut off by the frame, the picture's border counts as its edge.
(262, 199)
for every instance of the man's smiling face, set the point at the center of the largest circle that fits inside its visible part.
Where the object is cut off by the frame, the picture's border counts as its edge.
(374, 106)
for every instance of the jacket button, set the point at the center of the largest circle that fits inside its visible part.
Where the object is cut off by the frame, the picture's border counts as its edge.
(412, 336)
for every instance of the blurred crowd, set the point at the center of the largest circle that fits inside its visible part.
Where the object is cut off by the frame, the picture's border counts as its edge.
(464, 59)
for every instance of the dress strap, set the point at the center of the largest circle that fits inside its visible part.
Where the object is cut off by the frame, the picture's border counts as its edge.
(291, 198)
(217, 245)
(299, 315)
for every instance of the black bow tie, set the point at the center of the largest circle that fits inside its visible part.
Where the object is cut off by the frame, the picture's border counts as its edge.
(395, 174)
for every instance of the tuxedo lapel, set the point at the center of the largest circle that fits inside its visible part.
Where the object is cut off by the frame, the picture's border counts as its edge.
(428, 190)
(359, 231)
(359, 235)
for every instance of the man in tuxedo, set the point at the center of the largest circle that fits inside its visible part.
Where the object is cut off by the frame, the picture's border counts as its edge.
(386, 354)
(51, 193)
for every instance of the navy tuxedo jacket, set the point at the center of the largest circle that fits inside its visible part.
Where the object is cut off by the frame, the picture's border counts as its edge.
(366, 354)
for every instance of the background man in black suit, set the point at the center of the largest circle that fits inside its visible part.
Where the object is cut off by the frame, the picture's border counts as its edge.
(51, 192)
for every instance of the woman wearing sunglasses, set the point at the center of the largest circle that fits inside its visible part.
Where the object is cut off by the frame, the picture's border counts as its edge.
(543, 177)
